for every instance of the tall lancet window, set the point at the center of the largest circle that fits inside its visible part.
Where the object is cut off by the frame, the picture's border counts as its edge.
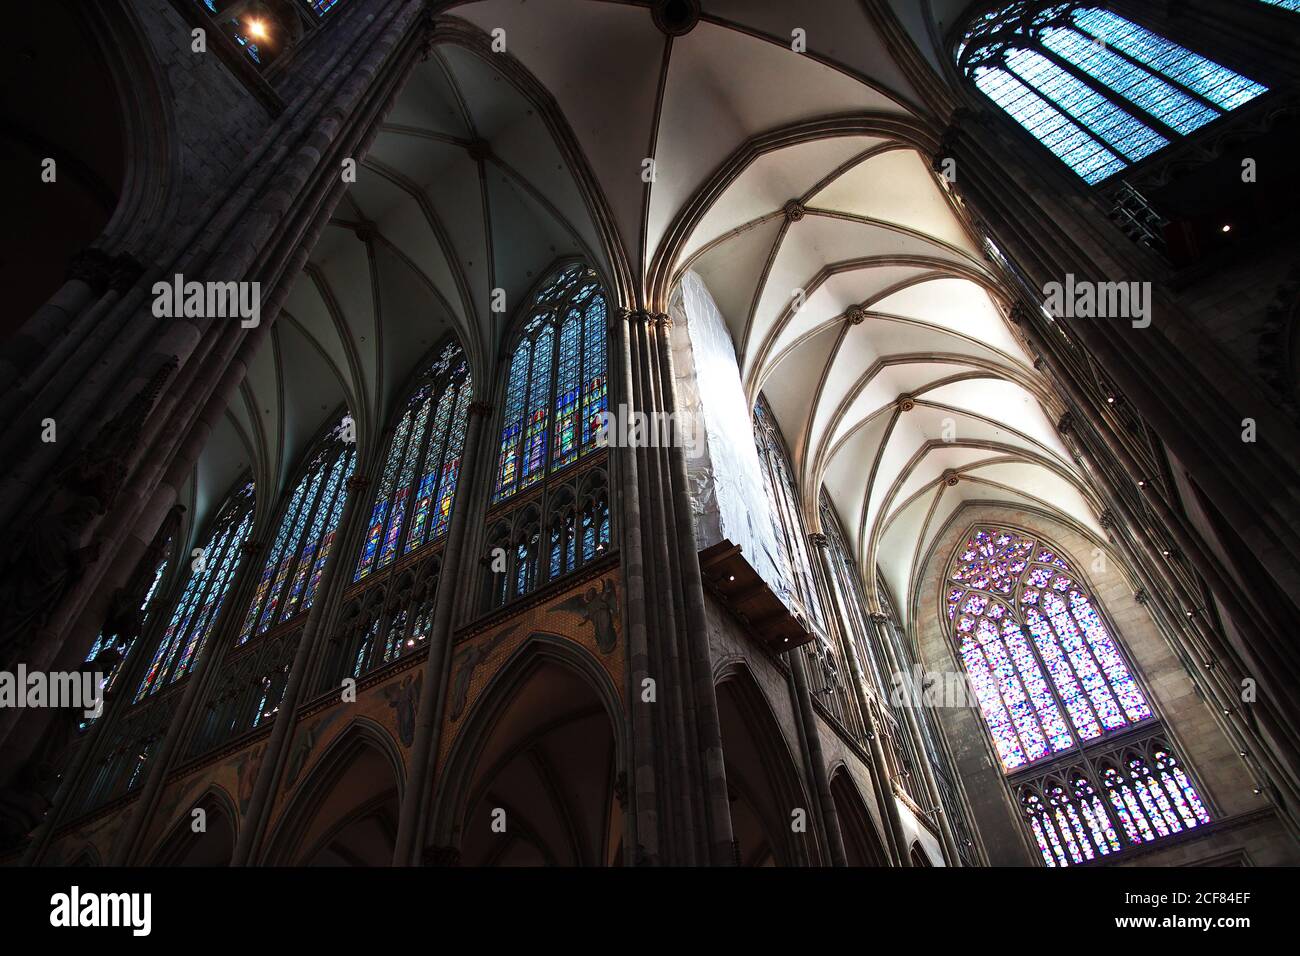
(557, 385)
(1099, 91)
(291, 575)
(1089, 763)
(212, 569)
(110, 640)
(413, 499)
(783, 501)
(549, 513)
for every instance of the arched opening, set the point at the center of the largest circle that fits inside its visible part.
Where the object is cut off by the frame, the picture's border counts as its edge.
(541, 785)
(346, 813)
(212, 845)
(862, 844)
(919, 858)
(762, 782)
(59, 105)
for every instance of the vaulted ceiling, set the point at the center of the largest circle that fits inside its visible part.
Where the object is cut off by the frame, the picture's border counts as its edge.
(773, 171)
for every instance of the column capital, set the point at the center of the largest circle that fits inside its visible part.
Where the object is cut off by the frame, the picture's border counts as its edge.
(818, 539)
(634, 315)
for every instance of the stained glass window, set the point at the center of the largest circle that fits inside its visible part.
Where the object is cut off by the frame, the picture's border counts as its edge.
(1122, 799)
(1046, 671)
(1099, 91)
(783, 502)
(259, 32)
(1285, 4)
(1051, 681)
(557, 387)
(212, 568)
(305, 537)
(108, 639)
(412, 504)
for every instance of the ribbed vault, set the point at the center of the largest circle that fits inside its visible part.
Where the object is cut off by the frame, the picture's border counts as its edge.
(796, 184)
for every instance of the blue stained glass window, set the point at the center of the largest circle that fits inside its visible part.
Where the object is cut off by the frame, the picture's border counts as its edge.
(211, 571)
(1081, 152)
(416, 490)
(287, 584)
(1220, 85)
(1099, 91)
(1179, 110)
(108, 639)
(1119, 130)
(557, 382)
(1285, 4)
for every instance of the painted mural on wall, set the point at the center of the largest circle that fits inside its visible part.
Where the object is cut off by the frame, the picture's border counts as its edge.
(393, 704)
(588, 614)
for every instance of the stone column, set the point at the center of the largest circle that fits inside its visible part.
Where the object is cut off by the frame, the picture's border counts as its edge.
(163, 760)
(720, 834)
(645, 843)
(895, 843)
(476, 472)
(258, 233)
(253, 825)
(916, 732)
(807, 717)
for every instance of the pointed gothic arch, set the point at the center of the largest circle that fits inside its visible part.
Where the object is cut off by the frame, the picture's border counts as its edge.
(863, 845)
(344, 812)
(763, 780)
(541, 757)
(1082, 746)
(181, 845)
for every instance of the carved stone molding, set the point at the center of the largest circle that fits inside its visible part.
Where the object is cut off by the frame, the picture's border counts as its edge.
(794, 210)
(855, 315)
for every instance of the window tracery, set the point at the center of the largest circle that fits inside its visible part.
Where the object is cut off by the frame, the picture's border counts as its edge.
(1100, 91)
(1055, 691)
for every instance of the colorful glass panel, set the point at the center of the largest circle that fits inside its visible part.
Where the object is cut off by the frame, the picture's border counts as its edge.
(1099, 91)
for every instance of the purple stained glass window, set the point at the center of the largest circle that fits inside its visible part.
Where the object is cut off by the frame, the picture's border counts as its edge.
(1051, 683)
(1022, 590)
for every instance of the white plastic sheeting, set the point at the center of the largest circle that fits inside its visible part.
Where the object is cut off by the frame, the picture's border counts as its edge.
(727, 491)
